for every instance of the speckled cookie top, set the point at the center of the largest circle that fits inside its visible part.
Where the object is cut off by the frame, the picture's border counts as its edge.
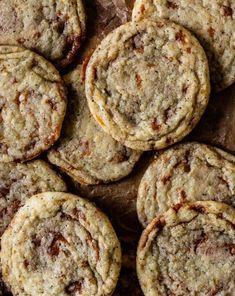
(189, 250)
(213, 23)
(32, 104)
(147, 84)
(187, 172)
(60, 244)
(18, 182)
(85, 151)
(53, 28)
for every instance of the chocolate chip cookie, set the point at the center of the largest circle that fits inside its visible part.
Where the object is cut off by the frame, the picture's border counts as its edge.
(212, 22)
(52, 28)
(32, 104)
(60, 244)
(85, 151)
(187, 172)
(189, 250)
(147, 84)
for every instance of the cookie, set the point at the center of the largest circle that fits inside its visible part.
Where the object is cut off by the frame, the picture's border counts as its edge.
(186, 172)
(18, 182)
(53, 28)
(189, 250)
(147, 84)
(32, 104)
(60, 244)
(85, 151)
(212, 23)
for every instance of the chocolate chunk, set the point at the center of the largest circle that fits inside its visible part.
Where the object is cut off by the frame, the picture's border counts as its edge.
(74, 288)
(138, 80)
(227, 11)
(211, 32)
(155, 125)
(166, 179)
(171, 4)
(180, 36)
(54, 248)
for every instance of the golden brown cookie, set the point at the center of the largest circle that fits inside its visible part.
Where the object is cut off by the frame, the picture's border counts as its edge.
(212, 22)
(186, 172)
(32, 104)
(84, 151)
(147, 84)
(60, 244)
(52, 28)
(189, 250)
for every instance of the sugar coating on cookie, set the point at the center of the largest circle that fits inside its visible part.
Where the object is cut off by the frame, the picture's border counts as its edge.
(18, 182)
(32, 104)
(186, 172)
(60, 244)
(54, 28)
(189, 250)
(147, 84)
(212, 22)
(84, 151)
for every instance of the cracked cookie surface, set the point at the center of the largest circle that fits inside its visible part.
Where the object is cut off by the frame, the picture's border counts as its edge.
(51, 28)
(60, 244)
(32, 104)
(187, 172)
(84, 151)
(189, 250)
(147, 84)
(212, 22)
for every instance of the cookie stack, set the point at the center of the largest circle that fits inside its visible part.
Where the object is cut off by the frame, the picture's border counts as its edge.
(144, 87)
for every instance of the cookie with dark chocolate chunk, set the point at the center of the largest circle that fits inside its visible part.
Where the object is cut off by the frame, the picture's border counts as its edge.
(60, 244)
(54, 29)
(147, 84)
(212, 22)
(84, 151)
(186, 172)
(32, 104)
(189, 250)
